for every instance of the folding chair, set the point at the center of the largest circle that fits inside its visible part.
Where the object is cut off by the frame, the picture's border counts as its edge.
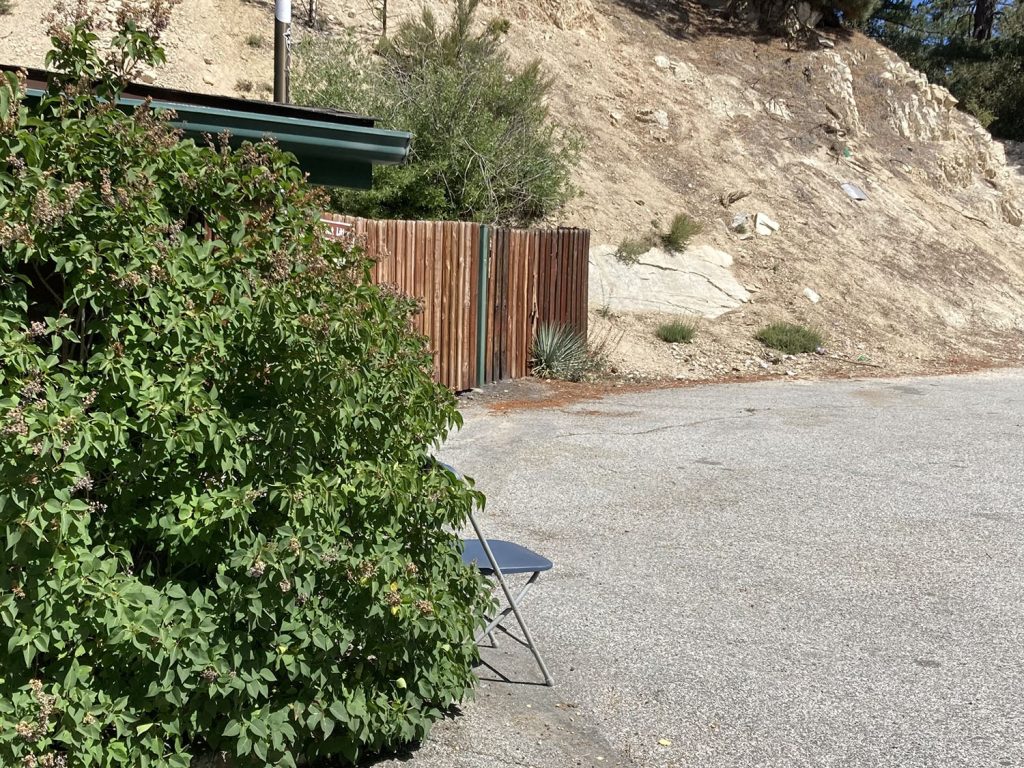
(496, 558)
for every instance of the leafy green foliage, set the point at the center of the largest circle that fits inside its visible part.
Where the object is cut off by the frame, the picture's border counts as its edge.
(789, 338)
(780, 16)
(559, 352)
(976, 49)
(850, 10)
(677, 331)
(679, 232)
(217, 527)
(484, 147)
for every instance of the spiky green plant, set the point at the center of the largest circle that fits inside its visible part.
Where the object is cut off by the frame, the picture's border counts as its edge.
(680, 232)
(559, 352)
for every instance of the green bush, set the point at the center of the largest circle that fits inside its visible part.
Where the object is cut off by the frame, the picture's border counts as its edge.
(679, 233)
(484, 147)
(559, 352)
(630, 250)
(789, 338)
(677, 331)
(219, 531)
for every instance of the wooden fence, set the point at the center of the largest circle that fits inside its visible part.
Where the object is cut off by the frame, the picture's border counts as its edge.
(485, 290)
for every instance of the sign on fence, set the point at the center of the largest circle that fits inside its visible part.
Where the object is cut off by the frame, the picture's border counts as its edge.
(336, 228)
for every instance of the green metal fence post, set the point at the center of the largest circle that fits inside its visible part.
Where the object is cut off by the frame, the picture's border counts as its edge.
(481, 306)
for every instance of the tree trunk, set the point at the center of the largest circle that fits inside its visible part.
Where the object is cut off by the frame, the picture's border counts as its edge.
(984, 19)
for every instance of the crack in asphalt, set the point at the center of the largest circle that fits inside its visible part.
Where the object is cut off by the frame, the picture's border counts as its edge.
(665, 428)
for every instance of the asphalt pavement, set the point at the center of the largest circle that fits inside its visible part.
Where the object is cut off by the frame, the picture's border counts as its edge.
(774, 574)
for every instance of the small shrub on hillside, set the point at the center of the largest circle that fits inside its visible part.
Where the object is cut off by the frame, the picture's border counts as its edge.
(244, 86)
(220, 532)
(484, 146)
(558, 352)
(675, 239)
(499, 26)
(630, 250)
(789, 338)
(254, 41)
(679, 233)
(677, 331)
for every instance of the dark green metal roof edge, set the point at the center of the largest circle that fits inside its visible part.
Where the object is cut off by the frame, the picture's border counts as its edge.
(334, 148)
(351, 142)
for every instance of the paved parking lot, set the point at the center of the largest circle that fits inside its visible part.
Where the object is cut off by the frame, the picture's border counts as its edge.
(778, 574)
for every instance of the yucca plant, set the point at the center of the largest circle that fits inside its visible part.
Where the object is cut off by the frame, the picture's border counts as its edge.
(559, 352)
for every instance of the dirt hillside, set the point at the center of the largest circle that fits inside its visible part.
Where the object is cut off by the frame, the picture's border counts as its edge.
(680, 110)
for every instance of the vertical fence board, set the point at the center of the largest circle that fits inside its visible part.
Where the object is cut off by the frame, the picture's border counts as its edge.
(519, 303)
(457, 340)
(455, 327)
(382, 254)
(510, 307)
(466, 299)
(488, 308)
(563, 282)
(580, 275)
(473, 233)
(537, 280)
(527, 325)
(438, 308)
(513, 308)
(426, 273)
(446, 303)
(464, 305)
(567, 279)
(583, 303)
(501, 308)
(551, 275)
(577, 267)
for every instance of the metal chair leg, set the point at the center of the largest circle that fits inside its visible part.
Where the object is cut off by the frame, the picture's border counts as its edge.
(548, 679)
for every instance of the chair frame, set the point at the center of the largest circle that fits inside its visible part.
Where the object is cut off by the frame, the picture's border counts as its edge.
(512, 600)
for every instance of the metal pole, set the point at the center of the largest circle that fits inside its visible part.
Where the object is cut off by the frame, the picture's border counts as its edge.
(282, 43)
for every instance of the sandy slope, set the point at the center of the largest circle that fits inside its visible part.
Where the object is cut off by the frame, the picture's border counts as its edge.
(927, 271)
